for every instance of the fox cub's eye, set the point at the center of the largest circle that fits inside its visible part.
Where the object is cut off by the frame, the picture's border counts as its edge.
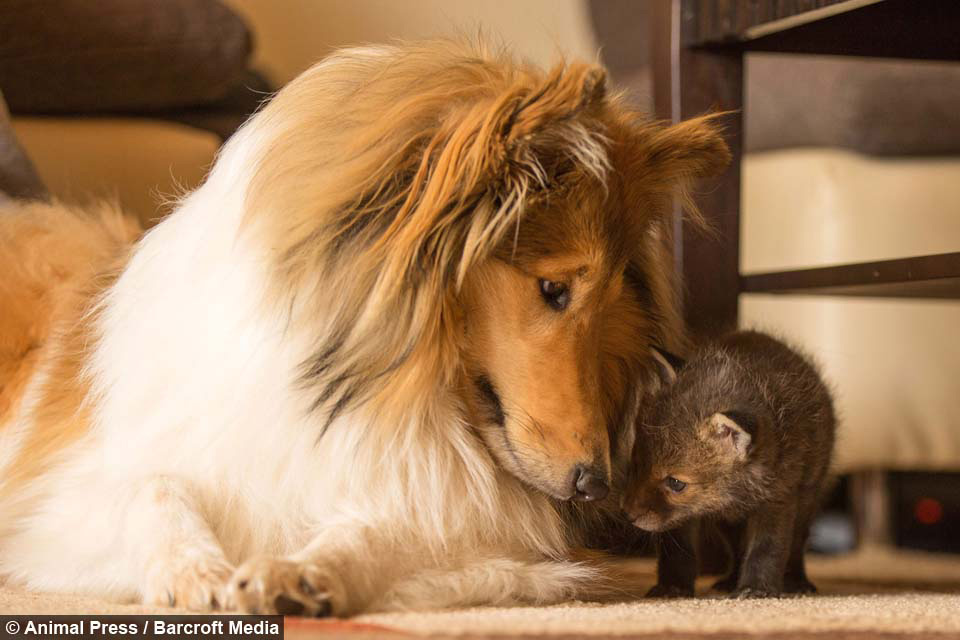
(674, 485)
(556, 294)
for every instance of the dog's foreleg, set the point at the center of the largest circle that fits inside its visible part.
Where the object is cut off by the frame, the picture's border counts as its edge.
(496, 581)
(181, 561)
(351, 569)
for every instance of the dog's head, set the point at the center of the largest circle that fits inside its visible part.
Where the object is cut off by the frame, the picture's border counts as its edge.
(486, 228)
(557, 320)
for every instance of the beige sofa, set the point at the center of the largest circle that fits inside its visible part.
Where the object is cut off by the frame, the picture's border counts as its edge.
(141, 163)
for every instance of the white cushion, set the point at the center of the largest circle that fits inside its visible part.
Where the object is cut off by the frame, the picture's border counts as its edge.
(892, 365)
(822, 206)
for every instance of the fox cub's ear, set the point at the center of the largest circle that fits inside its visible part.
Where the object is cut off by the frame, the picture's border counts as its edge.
(667, 365)
(729, 431)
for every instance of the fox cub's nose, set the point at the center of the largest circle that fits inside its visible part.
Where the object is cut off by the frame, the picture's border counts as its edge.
(589, 484)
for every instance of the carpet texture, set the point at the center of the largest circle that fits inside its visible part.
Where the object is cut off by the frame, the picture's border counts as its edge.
(873, 593)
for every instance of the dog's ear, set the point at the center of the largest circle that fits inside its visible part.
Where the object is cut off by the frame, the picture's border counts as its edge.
(524, 112)
(690, 149)
(659, 162)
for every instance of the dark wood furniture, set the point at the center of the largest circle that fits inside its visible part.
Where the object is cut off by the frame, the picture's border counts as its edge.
(698, 50)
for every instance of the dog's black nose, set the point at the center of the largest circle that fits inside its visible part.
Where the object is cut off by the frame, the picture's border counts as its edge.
(589, 484)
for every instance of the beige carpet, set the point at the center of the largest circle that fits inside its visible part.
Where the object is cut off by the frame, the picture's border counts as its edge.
(874, 593)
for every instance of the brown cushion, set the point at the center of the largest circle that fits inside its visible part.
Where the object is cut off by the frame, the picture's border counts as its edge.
(225, 116)
(18, 178)
(60, 56)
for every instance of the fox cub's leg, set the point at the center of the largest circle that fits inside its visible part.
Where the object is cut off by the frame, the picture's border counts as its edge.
(795, 580)
(676, 562)
(769, 536)
(731, 536)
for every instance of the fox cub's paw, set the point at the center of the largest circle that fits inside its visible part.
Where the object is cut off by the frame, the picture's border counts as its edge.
(746, 593)
(670, 591)
(267, 585)
(799, 587)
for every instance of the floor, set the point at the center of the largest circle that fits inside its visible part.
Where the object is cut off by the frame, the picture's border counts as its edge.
(874, 593)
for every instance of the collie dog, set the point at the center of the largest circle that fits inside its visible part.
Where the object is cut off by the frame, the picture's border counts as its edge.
(366, 365)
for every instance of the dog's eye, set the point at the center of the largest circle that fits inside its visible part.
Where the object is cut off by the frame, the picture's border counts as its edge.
(556, 294)
(674, 485)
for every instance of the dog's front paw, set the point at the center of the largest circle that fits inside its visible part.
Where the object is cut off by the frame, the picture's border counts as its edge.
(268, 585)
(197, 586)
(670, 591)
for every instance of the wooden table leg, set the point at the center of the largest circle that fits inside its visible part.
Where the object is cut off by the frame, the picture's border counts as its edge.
(689, 82)
(711, 260)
